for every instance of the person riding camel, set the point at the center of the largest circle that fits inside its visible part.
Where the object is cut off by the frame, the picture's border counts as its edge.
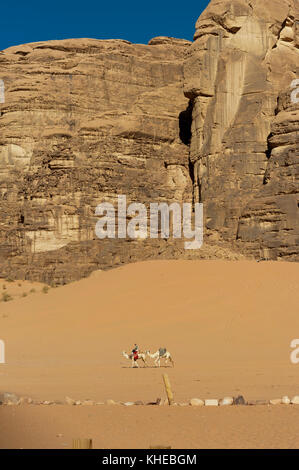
(135, 352)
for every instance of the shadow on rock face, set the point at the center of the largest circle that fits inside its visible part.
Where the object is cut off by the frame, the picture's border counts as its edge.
(185, 121)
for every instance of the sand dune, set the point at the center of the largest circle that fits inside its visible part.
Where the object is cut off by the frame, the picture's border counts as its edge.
(117, 427)
(228, 325)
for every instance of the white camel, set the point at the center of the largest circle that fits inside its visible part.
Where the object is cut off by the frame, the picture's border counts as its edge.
(141, 356)
(162, 353)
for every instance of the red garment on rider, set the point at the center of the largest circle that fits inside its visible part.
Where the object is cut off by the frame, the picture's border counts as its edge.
(135, 356)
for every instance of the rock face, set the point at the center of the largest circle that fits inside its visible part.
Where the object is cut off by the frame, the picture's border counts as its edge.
(269, 224)
(245, 131)
(83, 121)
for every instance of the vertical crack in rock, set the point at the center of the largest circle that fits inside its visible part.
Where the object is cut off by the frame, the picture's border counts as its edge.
(185, 122)
(266, 178)
(191, 174)
(279, 33)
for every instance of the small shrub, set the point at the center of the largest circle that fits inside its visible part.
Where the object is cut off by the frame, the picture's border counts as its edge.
(9, 279)
(32, 291)
(4, 287)
(6, 297)
(45, 289)
(24, 294)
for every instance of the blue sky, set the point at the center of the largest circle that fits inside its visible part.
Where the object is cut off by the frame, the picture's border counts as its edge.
(137, 21)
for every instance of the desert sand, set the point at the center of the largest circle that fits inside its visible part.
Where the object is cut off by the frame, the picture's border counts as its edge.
(228, 325)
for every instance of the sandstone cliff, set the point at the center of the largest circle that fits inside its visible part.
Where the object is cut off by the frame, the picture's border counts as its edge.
(212, 121)
(245, 140)
(84, 121)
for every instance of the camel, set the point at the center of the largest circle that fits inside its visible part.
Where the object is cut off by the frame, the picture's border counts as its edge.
(162, 353)
(141, 356)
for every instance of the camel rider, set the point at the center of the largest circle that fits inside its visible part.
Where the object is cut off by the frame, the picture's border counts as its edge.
(135, 352)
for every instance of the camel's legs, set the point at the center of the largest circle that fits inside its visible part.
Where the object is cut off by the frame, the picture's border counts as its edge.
(144, 362)
(168, 357)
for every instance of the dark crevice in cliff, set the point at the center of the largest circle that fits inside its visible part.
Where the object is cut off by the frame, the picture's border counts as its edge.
(185, 121)
(268, 155)
(269, 146)
(279, 32)
(276, 110)
(196, 184)
(191, 171)
(219, 20)
(192, 177)
(266, 176)
(199, 192)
